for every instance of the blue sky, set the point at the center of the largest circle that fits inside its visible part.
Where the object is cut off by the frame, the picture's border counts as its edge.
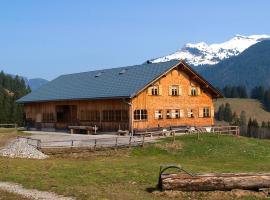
(48, 38)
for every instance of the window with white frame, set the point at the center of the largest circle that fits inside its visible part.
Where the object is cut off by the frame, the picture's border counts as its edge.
(194, 91)
(206, 112)
(140, 114)
(154, 90)
(175, 90)
(190, 113)
(168, 114)
(158, 114)
(173, 114)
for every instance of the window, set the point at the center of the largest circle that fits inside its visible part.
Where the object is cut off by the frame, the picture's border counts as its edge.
(124, 116)
(206, 112)
(173, 114)
(194, 91)
(47, 117)
(90, 115)
(168, 114)
(174, 90)
(108, 115)
(140, 114)
(190, 113)
(118, 115)
(155, 90)
(177, 114)
(158, 114)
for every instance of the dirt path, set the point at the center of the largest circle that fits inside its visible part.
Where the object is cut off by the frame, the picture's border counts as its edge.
(30, 193)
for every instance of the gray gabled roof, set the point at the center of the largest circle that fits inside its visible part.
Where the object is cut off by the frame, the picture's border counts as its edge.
(123, 82)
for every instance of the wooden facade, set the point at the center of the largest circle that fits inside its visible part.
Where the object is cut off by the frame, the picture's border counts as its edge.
(178, 97)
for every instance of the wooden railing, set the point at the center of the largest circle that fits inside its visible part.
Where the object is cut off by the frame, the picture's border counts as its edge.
(140, 139)
(9, 126)
(234, 130)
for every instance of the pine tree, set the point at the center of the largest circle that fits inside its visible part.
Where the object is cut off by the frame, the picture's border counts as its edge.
(220, 114)
(227, 113)
(243, 119)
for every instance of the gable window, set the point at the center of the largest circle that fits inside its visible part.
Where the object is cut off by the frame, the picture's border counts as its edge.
(194, 91)
(155, 90)
(158, 114)
(206, 112)
(175, 90)
(140, 114)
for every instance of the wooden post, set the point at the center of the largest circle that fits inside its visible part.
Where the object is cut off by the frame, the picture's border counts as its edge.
(116, 142)
(129, 143)
(143, 141)
(72, 143)
(38, 144)
(95, 146)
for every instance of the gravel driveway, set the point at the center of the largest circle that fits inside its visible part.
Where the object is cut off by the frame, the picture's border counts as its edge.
(56, 139)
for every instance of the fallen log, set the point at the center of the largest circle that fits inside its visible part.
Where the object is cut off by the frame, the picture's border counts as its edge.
(214, 181)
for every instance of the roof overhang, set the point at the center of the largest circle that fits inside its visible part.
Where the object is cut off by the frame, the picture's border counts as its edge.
(74, 99)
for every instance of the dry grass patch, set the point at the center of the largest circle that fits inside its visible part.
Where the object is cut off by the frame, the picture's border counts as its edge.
(253, 108)
(8, 134)
(170, 147)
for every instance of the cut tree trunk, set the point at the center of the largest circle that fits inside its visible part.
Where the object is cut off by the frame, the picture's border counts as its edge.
(212, 181)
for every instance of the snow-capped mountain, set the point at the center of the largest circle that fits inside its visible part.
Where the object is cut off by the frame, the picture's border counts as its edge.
(202, 53)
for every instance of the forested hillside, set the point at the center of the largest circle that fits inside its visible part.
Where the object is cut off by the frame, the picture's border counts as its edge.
(11, 88)
(250, 68)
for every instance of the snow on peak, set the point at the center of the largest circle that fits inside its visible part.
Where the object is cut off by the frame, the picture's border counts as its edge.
(201, 53)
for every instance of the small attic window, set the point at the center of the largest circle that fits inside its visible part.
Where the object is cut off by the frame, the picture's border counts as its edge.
(123, 71)
(99, 74)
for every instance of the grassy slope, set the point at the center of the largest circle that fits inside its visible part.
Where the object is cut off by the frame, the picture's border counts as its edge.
(252, 107)
(128, 174)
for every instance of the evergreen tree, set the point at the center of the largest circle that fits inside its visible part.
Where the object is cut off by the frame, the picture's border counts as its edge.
(227, 113)
(220, 114)
(243, 119)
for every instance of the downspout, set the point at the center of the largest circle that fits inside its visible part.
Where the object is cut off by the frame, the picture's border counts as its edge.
(130, 116)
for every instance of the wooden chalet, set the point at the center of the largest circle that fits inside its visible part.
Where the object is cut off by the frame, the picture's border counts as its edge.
(140, 97)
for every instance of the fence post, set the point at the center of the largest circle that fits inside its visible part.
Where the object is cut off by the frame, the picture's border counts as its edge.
(72, 143)
(173, 132)
(129, 143)
(38, 144)
(116, 141)
(143, 141)
(95, 146)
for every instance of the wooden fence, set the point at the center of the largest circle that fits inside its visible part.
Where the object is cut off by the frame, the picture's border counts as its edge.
(9, 126)
(125, 141)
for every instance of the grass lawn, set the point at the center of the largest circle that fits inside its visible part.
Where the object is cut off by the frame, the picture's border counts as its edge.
(132, 173)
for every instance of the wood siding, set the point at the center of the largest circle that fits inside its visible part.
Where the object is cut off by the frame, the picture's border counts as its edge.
(35, 112)
(165, 101)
